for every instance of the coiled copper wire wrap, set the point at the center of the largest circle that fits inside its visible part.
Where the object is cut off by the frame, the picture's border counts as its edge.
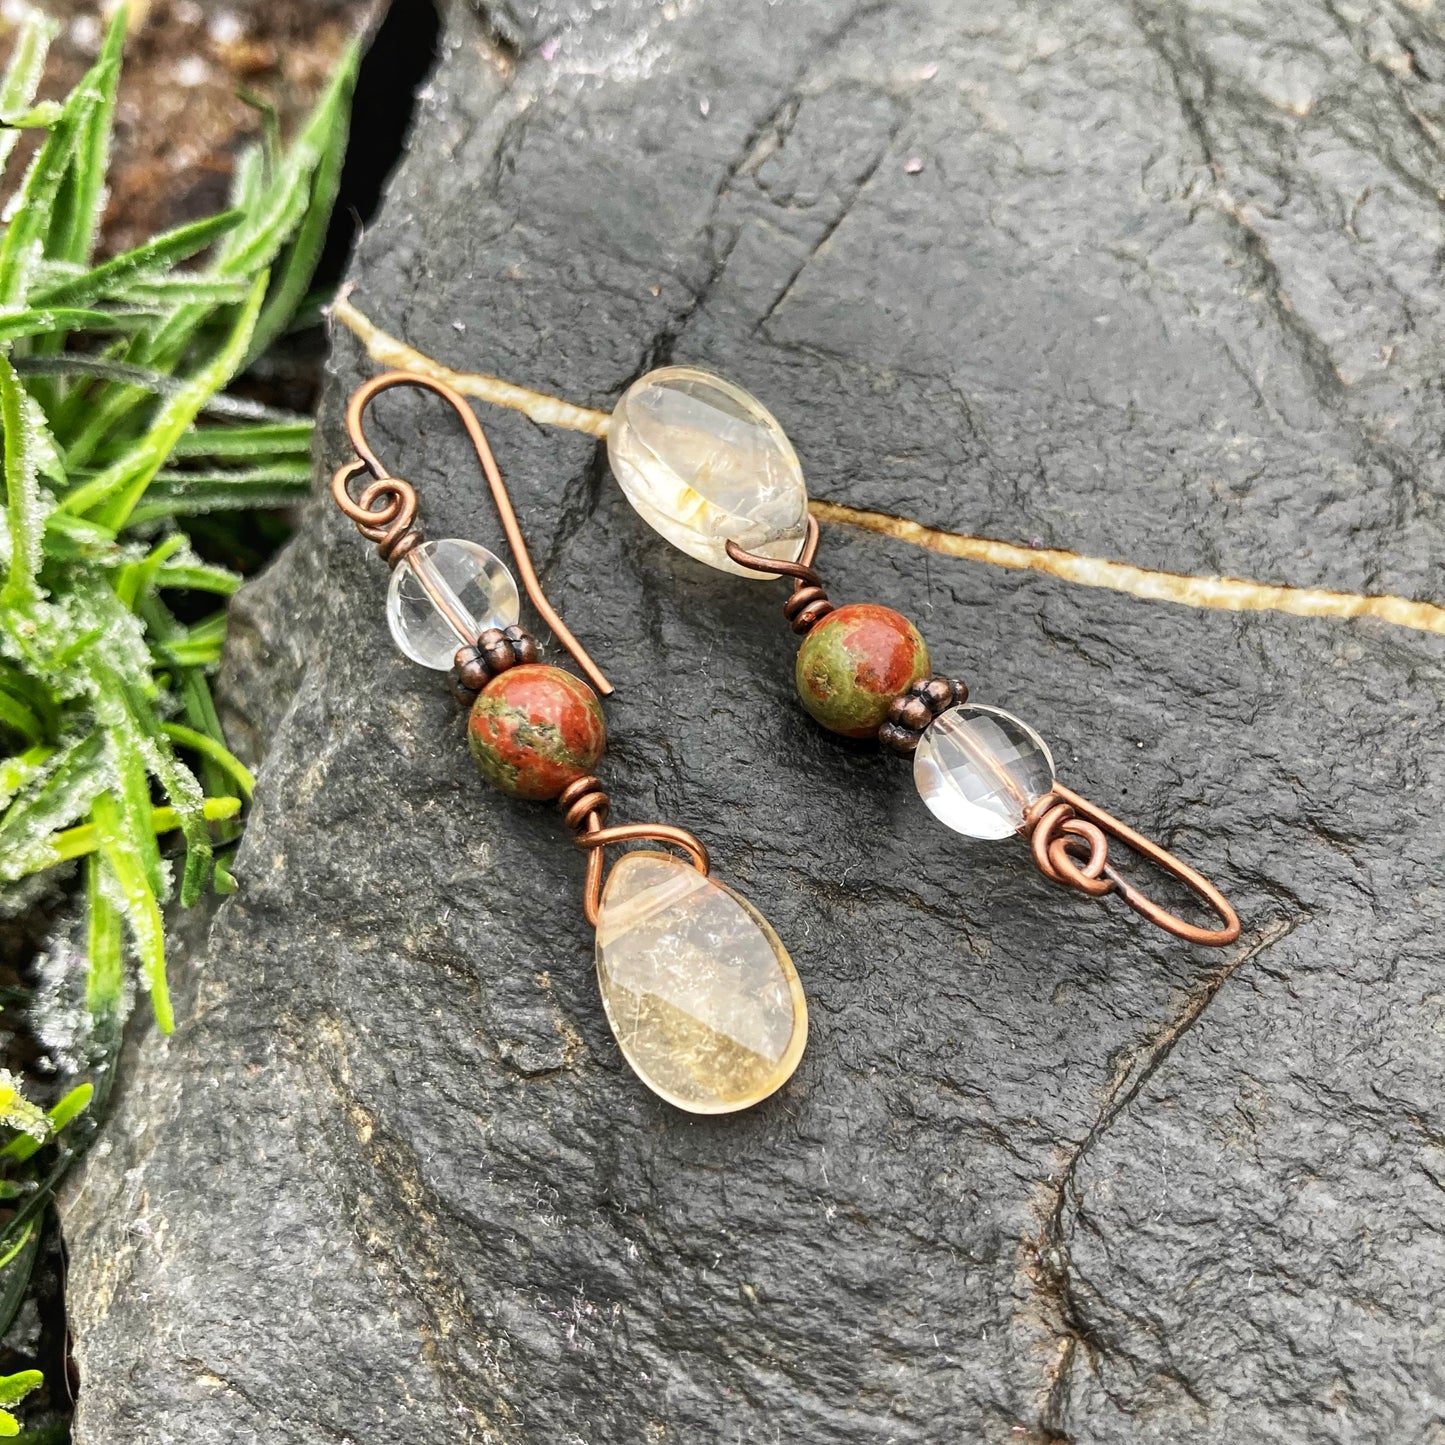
(585, 806)
(384, 513)
(583, 802)
(807, 603)
(1061, 825)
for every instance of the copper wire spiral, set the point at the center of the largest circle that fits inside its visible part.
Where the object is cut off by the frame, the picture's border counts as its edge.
(384, 512)
(585, 806)
(1069, 849)
(1069, 839)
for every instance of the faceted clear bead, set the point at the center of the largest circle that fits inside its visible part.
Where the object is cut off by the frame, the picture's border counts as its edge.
(476, 590)
(701, 994)
(705, 463)
(979, 769)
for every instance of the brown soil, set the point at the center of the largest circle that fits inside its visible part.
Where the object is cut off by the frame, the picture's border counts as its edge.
(191, 74)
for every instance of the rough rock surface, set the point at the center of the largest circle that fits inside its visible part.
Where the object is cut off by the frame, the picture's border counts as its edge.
(1164, 288)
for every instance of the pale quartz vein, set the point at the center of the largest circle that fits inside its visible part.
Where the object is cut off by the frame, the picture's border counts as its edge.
(1227, 594)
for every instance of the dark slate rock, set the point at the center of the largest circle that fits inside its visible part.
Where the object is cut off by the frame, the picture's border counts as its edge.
(1165, 289)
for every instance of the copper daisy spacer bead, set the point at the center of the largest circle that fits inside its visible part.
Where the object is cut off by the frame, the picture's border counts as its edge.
(496, 650)
(913, 710)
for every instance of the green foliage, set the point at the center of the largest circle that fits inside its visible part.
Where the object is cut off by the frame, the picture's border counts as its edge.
(117, 437)
(17, 1112)
(13, 1389)
(109, 371)
(27, 1194)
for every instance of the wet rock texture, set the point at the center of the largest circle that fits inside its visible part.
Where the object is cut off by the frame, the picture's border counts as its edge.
(1155, 282)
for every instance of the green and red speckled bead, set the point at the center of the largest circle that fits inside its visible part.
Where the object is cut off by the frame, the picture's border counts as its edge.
(534, 729)
(854, 662)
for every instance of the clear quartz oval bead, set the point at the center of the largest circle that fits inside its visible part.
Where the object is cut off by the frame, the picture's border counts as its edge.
(701, 994)
(475, 589)
(979, 769)
(705, 463)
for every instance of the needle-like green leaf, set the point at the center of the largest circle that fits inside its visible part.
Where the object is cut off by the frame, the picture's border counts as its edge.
(22, 1146)
(22, 75)
(28, 452)
(135, 896)
(42, 210)
(180, 493)
(48, 320)
(150, 261)
(293, 273)
(110, 497)
(247, 443)
(75, 218)
(104, 945)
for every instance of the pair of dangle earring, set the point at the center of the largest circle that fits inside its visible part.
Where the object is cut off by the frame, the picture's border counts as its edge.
(699, 991)
(708, 467)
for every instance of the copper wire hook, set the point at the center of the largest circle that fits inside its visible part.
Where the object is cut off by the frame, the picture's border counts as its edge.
(803, 573)
(585, 807)
(1062, 815)
(385, 511)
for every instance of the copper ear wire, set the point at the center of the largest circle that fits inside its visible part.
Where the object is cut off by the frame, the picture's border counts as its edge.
(385, 510)
(1064, 812)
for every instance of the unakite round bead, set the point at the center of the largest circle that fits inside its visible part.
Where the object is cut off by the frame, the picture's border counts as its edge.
(854, 662)
(533, 729)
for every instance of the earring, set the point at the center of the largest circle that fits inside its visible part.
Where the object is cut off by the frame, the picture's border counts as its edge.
(708, 467)
(701, 995)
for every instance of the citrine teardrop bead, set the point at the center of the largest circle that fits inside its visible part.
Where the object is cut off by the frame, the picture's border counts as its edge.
(700, 992)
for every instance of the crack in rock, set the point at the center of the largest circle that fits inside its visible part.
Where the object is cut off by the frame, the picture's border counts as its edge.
(1046, 1262)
